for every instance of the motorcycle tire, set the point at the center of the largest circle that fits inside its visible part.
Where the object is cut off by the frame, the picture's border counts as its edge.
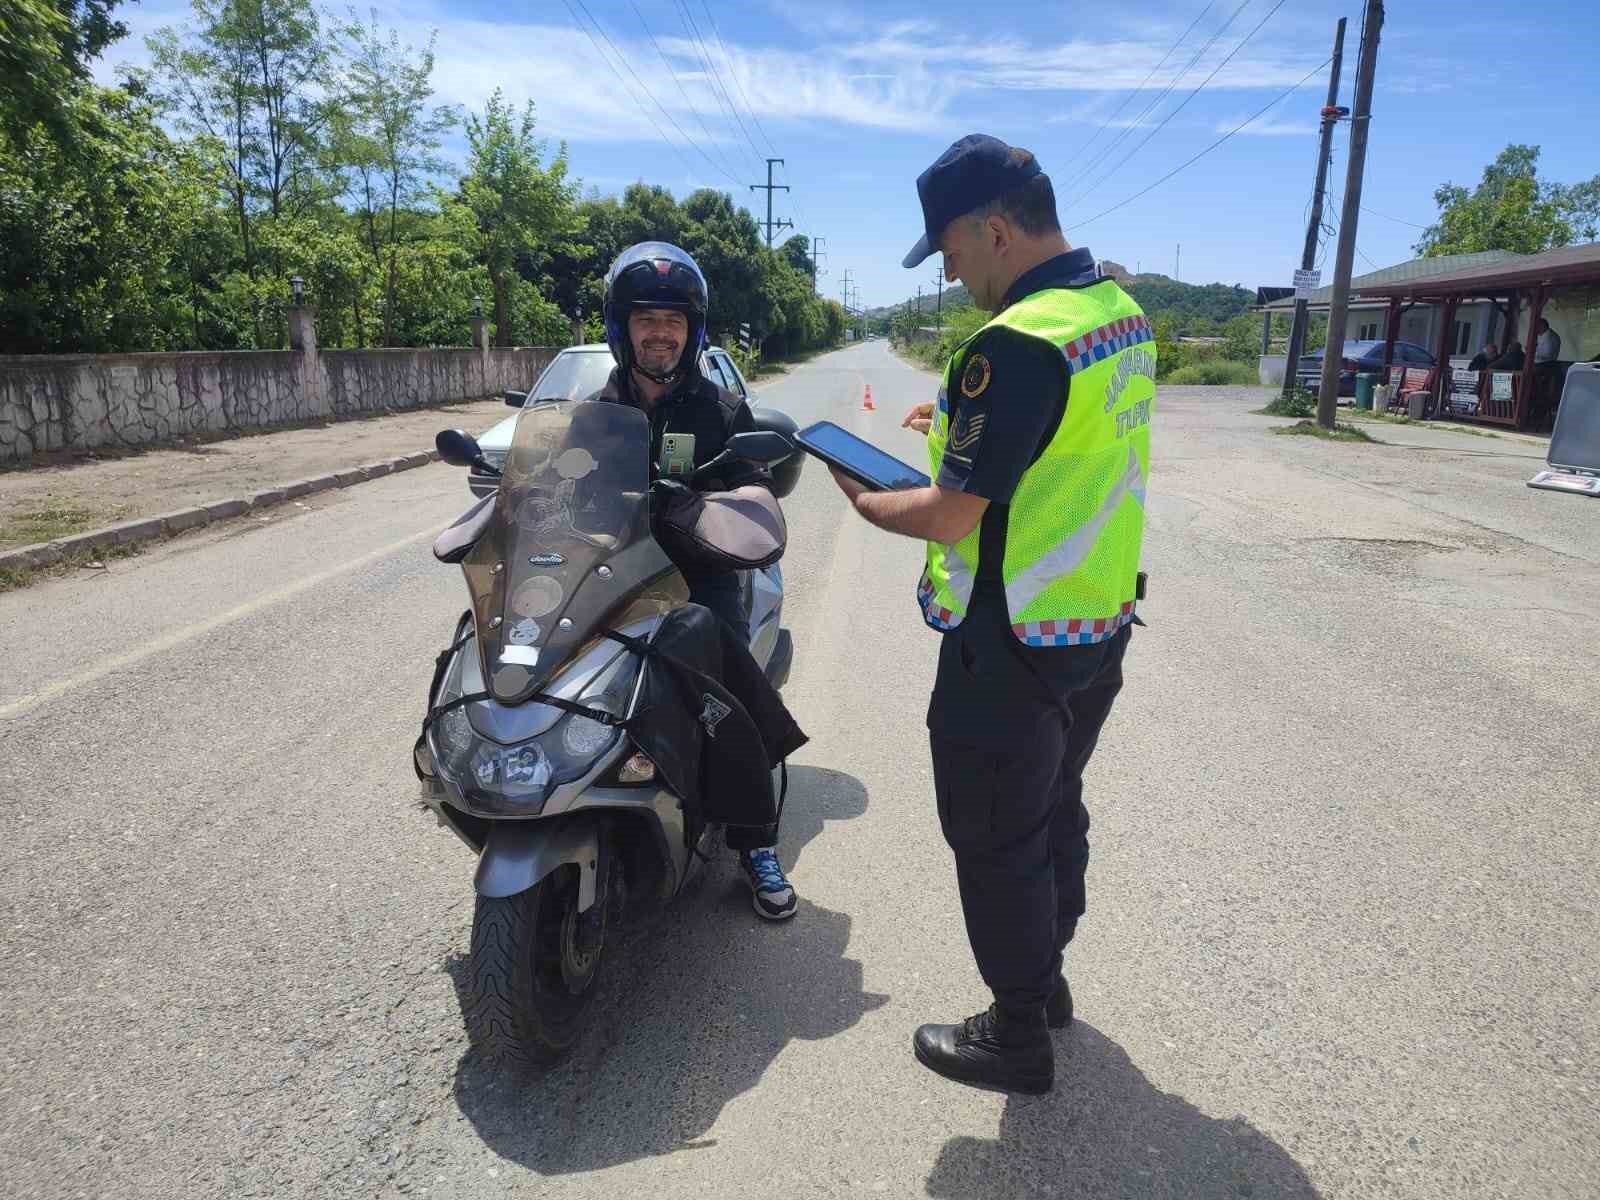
(531, 984)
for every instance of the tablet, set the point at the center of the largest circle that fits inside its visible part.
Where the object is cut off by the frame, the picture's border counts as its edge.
(860, 460)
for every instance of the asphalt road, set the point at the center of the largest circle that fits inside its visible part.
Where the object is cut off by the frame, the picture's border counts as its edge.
(1342, 938)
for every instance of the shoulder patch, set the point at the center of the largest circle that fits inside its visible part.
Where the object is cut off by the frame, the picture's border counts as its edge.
(975, 378)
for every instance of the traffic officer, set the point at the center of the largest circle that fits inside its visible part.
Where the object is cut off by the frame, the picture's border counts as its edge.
(1039, 444)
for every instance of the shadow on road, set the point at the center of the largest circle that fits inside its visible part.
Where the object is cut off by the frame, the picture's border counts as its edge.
(1107, 1131)
(699, 1001)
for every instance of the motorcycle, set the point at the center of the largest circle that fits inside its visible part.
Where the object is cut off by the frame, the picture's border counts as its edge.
(522, 755)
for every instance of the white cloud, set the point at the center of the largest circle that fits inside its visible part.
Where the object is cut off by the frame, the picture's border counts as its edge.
(894, 76)
(1268, 127)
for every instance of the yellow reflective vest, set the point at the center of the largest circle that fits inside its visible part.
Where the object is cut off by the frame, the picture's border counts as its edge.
(1076, 520)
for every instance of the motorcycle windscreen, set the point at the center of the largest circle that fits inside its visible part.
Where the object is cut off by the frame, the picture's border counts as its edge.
(569, 540)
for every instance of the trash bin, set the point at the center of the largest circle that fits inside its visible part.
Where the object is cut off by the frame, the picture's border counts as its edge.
(1365, 382)
(1380, 398)
(1415, 403)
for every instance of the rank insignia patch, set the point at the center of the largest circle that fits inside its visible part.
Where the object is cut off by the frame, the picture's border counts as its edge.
(976, 377)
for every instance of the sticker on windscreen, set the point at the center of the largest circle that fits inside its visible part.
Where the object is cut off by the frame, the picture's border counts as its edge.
(537, 597)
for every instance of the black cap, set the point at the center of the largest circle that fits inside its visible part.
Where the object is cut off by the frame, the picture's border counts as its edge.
(971, 173)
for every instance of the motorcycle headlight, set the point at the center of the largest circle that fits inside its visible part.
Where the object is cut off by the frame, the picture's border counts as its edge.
(525, 773)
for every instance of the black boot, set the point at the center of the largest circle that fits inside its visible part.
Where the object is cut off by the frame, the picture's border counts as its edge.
(990, 1051)
(1058, 1009)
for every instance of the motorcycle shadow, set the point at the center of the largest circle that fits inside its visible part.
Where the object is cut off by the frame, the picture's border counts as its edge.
(1107, 1130)
(697, 1002)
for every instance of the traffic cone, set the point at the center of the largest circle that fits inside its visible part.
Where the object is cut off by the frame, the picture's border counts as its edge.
(866, 401)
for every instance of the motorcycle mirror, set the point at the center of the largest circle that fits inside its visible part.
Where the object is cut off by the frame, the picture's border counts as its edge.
(762, 446)
(457, 447)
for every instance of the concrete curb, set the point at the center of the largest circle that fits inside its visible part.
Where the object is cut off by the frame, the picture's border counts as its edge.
(165, 525)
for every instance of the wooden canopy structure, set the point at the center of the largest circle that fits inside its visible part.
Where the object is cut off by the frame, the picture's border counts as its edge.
(1506, 285)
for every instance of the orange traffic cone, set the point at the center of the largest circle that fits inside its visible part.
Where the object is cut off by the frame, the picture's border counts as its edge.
(866, 401)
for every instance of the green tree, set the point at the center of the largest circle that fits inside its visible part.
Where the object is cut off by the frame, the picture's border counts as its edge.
(1512, 209)
(256, 77)
(388, 138)
(103, 242)
(516, 202)
(45, 50)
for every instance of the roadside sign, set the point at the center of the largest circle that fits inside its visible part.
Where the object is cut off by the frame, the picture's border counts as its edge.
(744, 338)
(1463, 391)
(1501, 385)
(1306, 282)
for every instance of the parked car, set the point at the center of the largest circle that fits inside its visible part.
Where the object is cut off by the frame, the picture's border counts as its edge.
(580, 371)
(1364, 357)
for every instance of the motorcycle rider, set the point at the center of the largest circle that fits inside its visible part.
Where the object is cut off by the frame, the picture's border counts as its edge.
(655, 315)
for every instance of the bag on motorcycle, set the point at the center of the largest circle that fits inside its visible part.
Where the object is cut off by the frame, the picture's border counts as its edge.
(710, 720)
(739, 530)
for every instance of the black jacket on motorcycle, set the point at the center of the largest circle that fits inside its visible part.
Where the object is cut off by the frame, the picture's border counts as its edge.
(710, 720)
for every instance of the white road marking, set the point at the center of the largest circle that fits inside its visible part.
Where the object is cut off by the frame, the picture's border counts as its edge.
(200, 628)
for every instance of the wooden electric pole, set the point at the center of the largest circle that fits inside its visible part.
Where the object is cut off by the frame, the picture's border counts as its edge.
(1339, 305)
(1308, 258)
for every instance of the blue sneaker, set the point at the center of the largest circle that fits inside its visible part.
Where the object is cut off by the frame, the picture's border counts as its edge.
(770, 892)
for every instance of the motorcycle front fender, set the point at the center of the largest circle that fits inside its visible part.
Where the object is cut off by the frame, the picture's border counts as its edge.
(518, 854)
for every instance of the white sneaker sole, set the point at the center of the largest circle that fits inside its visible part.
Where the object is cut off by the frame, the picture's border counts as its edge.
(755, 903)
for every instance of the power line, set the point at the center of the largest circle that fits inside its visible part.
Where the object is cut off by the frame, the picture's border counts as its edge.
(1279, 99)
(1396, 220)
(637, 80)
(1124, 134)
(717, 90)
(748, 107)
(1118, 111)
(706, 129)
(1242, 43)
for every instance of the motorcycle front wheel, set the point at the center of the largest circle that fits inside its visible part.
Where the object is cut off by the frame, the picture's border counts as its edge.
(534, 971)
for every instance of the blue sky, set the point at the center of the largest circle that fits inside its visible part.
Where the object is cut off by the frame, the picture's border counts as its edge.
(860, 98)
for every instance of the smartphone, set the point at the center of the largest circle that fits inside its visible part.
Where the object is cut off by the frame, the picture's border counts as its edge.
(677, 454)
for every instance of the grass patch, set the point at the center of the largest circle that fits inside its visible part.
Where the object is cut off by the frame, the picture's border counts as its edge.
(55, 521)
(1402, 419)
(1296, 404)
(20, 576)
(1339, 433)
(1217, 372)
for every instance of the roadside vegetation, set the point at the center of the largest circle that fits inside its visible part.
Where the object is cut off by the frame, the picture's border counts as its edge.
(266, 142)
(1339, 433)
(1230, 360)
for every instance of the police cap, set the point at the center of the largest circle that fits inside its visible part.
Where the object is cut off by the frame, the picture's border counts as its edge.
(974, 171)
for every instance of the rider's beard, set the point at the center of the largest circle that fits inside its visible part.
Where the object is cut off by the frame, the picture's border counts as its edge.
(661, 356)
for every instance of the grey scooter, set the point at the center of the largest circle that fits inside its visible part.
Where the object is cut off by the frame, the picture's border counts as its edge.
(567, 816)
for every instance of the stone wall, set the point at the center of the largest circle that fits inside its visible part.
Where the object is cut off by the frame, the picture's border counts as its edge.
(86, 401)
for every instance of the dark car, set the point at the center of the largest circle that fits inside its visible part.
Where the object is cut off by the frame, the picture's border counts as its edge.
(1359, 357)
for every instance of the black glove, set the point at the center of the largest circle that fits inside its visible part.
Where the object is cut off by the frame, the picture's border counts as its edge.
(665, 492)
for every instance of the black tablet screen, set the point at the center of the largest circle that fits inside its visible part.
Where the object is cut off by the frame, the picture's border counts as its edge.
(860, 460)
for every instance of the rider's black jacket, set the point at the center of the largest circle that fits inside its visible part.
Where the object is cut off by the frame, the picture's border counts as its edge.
(699, 407)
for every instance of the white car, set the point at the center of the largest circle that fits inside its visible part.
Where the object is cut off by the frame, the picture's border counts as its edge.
(580, 371)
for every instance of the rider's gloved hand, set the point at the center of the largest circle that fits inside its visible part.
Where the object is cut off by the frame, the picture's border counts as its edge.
(664, 491)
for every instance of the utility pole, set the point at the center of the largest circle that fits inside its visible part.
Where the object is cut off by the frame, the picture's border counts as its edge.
(1339, 307)
(769, 187)
(1308, 257)
(938, 310)
(1177, 263)
(817, 255)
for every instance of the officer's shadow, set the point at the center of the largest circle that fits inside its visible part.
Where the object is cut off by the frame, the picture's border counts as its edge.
(1107, 1131)
(699, 1001)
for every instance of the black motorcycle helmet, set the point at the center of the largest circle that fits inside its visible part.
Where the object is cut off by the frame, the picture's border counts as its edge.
(655, 275)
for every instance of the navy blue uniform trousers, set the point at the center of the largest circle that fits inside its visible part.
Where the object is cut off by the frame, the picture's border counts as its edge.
(1015, 819)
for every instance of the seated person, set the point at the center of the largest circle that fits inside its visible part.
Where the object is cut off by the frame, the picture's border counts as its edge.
(1511, 360)
(1482, 359)
(655, 313)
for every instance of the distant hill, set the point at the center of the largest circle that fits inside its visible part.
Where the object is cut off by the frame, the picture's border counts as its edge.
(1196, 309)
